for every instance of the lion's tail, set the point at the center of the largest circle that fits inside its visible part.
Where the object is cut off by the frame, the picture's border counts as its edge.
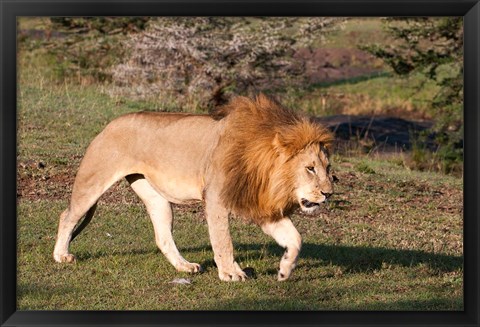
(85, 221)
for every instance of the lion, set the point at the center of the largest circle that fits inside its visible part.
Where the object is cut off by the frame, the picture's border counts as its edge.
(251, 158)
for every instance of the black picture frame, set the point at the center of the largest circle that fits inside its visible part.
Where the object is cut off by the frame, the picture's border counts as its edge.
(9, 10)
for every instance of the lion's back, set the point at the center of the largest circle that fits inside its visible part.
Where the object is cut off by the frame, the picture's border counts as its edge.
(169, 136)
(174, 149)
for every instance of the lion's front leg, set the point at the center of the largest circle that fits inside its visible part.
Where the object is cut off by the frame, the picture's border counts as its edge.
(288, 237)
(218, 228)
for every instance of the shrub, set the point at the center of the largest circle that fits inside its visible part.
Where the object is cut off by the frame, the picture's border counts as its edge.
(204, 60)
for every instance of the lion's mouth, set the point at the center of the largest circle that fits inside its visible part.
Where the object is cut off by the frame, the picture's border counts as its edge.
(308, 204)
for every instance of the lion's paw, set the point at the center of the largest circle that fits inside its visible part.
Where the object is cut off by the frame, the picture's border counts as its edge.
(234, 275)
(189, 267)
(282, 276)
(68, 258)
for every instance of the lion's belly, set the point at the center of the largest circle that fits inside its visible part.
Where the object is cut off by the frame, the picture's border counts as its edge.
(176, 188)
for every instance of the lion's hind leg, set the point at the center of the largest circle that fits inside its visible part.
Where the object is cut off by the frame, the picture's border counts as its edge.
(86, 192)
(87, 189)
(288, 237)
(160, 211)
(64, 235)
(66, 232)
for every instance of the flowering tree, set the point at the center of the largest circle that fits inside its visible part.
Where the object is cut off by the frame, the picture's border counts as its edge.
(204, 60)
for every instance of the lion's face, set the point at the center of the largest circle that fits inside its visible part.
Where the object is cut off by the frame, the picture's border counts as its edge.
(313, 182)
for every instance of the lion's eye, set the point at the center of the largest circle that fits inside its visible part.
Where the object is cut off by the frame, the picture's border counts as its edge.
(311, 169)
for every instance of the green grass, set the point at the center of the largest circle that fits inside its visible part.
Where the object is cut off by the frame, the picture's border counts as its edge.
(40, 23)
(390, 239)
(357, 32)
(63, 113)
(379, 94)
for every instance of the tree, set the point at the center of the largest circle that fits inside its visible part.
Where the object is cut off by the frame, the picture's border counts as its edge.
(432, 47)
(206, 59)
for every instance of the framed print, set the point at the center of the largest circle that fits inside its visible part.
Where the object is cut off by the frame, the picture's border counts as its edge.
(247, 163)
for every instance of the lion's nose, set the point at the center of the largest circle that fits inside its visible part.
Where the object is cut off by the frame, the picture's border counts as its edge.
(326, 194)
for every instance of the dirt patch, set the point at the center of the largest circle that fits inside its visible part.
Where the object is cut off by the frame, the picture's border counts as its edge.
(38, 181)
(42, 181)
(336, 64)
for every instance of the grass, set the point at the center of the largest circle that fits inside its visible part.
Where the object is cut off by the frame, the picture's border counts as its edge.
(379, 94)
(63, 111)
(357, 32)
(391, 238)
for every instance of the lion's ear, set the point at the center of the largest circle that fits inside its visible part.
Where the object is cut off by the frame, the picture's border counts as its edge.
(326, 147)
(282, 145)
(278, 143)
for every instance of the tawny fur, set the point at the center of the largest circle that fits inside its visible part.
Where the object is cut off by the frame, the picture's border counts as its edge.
(260, 138)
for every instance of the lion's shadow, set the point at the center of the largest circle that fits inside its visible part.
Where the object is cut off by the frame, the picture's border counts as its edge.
(353, 259)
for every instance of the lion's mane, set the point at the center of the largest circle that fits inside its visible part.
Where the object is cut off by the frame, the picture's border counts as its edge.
(260, 138)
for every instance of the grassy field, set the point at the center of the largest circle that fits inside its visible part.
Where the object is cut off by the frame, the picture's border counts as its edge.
(390, 239)
(378, 94)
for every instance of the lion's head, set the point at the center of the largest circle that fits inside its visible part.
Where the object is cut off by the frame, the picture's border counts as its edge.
(313, 182)
(273, 160)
